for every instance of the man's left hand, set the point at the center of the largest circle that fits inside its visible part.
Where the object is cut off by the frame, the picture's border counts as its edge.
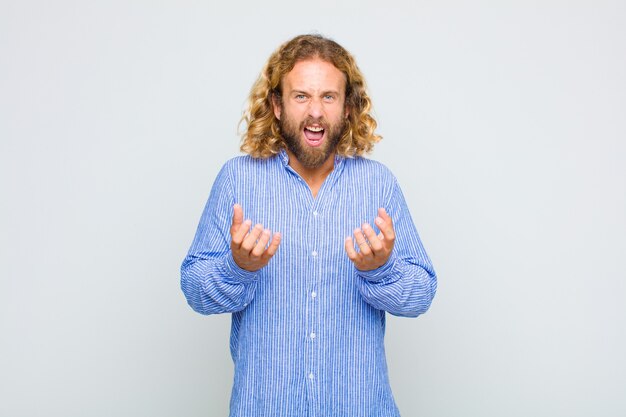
(374, 250)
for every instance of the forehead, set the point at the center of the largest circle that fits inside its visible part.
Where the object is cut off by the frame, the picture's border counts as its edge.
(314, 74)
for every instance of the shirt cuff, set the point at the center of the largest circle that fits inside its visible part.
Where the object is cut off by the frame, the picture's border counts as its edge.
(380, 273)
(237, 273)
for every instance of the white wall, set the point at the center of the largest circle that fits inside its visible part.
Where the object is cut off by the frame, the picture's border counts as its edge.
(504, 122)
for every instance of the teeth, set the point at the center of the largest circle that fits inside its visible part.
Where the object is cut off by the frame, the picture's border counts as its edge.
(314, 129)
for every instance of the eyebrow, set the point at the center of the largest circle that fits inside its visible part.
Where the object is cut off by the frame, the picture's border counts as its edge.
(298, 91)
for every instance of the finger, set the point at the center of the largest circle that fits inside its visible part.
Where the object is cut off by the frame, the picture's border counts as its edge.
(250, 241)
(385, 224)
(370, 234)
(273, 247)
(239, 234)
(259, 248)
(364, 247)
(237, 218)
(349, 246)
(383, 213)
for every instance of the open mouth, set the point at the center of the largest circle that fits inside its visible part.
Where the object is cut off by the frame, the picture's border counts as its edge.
(314, 134)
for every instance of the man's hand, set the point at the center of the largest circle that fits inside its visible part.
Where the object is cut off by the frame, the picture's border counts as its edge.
(374, 250)
(250, 247)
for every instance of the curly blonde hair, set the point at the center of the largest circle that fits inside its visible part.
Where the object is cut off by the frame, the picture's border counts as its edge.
(262, 137)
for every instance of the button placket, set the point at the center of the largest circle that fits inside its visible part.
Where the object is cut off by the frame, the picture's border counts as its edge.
(314, 251)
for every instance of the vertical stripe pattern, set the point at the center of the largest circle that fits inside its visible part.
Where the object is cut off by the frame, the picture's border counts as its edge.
(307, 335)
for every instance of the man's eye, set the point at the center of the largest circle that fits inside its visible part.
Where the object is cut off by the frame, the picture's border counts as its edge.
(328, 97)
(300, 97)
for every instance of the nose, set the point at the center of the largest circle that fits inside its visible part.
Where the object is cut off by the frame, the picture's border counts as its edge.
(315, 108)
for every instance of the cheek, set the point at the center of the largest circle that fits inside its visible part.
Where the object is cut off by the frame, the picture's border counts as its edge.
(339, 114)
(288, 111)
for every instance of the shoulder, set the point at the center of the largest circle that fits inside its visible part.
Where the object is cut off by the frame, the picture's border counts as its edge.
(363, 166)
(245, 163)
(242, 171)
(240, 161)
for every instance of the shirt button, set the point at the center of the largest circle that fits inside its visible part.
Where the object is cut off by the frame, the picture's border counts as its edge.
(311, 376)
(313, 335)
(314, 253)
(315, 213)
(313, 294)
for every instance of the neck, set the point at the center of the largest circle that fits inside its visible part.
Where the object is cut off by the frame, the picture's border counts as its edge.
(314, 177)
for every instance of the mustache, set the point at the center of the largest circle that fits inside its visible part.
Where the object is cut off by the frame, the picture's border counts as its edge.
(314, 121)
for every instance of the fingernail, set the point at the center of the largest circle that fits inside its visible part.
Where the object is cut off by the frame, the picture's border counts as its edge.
(378, 220)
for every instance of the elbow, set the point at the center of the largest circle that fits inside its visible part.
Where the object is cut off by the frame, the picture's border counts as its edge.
(193, 287)
(412, 309)
(198, 308)
(193, 293)
(417, 302)
(209, 296)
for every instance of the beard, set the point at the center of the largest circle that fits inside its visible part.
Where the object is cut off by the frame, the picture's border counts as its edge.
(311, 157)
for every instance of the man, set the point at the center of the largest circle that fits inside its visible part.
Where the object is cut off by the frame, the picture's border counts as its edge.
(307, 279)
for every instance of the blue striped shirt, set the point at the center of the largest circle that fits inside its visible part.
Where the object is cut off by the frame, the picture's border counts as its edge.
(307, 329)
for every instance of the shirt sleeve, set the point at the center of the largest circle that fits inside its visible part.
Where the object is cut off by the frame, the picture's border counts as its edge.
(210, 279)
(406, 284)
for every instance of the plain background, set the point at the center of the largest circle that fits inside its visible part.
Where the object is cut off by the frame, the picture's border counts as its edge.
(503, 121)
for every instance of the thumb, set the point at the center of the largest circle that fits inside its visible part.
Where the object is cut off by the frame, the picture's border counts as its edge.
(237, 217)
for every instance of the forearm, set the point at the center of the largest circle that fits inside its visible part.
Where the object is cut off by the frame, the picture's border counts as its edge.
(216, 285)
(399, 287)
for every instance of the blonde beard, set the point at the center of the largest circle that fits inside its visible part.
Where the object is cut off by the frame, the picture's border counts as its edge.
(311, 157)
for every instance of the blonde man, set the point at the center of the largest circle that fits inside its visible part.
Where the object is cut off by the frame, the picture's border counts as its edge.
(307, 279)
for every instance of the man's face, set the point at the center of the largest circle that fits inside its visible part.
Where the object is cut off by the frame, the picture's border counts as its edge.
(312, 114)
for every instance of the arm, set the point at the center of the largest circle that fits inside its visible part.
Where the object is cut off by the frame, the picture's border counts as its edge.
(218, 274)
(395, 272)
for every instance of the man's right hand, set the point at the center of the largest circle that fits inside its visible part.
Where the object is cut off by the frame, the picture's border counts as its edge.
(250, 247)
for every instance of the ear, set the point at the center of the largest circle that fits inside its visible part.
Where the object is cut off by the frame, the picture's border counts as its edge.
(276, 105)
(346, 111)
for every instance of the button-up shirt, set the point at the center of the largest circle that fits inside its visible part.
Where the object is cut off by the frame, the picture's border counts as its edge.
(308, 328)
